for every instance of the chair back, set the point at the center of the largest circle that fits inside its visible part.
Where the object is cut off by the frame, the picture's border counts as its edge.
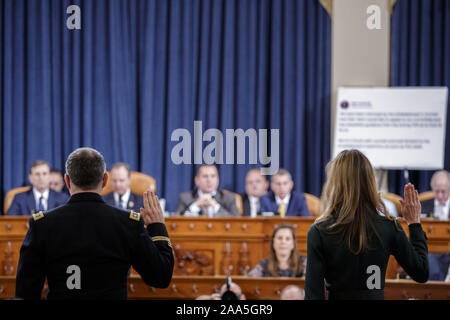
(9, 197)
(427, 195)
(313, 204)
(238, 199)
(140, 182)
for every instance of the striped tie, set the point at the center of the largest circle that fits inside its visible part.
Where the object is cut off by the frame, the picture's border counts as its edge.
(41, 204)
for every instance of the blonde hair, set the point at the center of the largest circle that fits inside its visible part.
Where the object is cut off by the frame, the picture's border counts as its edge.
(350, 196)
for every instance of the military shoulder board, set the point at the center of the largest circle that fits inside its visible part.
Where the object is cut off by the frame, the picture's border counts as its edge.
(135, 215)
(37, 216)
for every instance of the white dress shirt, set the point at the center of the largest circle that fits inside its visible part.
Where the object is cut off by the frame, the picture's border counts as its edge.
(441, 211)
(390, 207)
(125, 198)
(37, 197)
(254, 205)
(194, 210)
(285, 201)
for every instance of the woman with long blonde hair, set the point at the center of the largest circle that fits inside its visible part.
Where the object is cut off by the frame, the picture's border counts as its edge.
(350, 243)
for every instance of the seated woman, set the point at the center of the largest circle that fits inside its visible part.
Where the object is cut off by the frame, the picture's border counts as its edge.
(284, 259)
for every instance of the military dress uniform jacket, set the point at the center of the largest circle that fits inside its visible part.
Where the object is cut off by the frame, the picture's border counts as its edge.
(349, 276)
(85, 249)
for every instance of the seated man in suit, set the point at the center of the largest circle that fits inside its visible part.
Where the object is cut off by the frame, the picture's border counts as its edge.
(438, 208)
(122, 197)
(282, 200)
(40, 197)
(57, 182)
(256, 185)
(207, 199)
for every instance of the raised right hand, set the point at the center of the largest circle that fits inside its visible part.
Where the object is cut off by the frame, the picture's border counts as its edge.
(151, 212)
(411, 207)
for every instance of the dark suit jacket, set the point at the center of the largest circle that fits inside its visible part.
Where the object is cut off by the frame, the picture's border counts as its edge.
(101, 241)
(226, 200)
(296, 207)
(24, 203)
(135, 202)
(428, 207)
(245, 205)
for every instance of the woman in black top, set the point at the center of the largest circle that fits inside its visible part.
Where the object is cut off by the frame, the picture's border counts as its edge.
(350, 243)
(284, 259)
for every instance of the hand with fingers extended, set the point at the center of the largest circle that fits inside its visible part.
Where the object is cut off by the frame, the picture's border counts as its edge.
(152, 212)
(411, 206)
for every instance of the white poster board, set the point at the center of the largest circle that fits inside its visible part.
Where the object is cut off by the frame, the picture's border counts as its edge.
(396, 128)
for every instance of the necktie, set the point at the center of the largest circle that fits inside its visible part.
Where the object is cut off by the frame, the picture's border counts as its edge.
(121, 202)
(282, 210)
(41, 204)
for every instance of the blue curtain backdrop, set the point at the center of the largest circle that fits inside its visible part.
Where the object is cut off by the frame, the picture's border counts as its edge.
(137, 70)
(420, 56)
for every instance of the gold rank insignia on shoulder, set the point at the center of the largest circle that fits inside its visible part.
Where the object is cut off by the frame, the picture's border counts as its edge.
(135, 215)
(162, 238)
(37, 216)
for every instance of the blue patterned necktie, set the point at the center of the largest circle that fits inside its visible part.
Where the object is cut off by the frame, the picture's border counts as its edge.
(41, 204)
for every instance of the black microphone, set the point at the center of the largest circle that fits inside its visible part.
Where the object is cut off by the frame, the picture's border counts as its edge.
(229, 295)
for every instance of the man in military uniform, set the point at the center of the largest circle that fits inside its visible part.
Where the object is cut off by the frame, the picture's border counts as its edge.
(86, 247)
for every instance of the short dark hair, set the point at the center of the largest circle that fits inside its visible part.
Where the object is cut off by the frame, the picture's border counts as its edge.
(266, 177)
(122, 165)
(56, 171)
(38, 163)
(282, 172)
(85, 168)
(204, 166)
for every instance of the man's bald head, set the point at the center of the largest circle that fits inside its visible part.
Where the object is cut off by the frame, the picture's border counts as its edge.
(440, 184)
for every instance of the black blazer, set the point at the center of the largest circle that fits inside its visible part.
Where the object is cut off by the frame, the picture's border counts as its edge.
(348, 275)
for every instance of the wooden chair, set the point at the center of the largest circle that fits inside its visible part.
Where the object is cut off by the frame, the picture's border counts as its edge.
(313, 204)
(427, 195)
(140, 182)
(395, 199)
(9, 197)
(238, 198)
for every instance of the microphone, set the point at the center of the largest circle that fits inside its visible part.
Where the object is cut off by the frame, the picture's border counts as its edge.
(229, 295)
